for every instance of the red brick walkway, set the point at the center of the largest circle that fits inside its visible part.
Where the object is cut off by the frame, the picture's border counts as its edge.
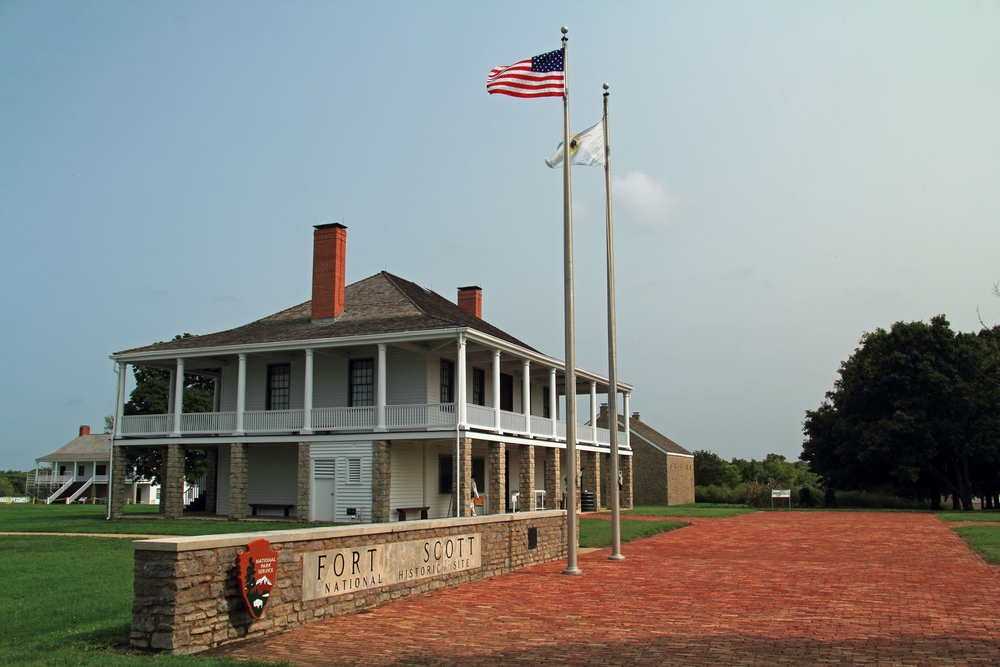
(760, 589)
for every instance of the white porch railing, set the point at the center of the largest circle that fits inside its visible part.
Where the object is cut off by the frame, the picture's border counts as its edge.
(62, 489)
(482, 417)
(257, 421)
(512, 422)
(421, 415)
(365, 418)
(353, 418)
(208, 422)
(146, 424)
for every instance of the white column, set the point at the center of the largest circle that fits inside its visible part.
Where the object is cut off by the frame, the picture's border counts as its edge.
(120, 407)
(307, 395)
(178, 397)
(526, 394)
(170, 391)
(593, 409)
(496, 389)
(628, 439)
(553, 400)
(241, 393)
(460, 398)
(380, 390)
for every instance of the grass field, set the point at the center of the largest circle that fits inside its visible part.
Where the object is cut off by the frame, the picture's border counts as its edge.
(68, 601)
(984, 540)
(596, 533)
(988, 515)
(141, 519)
(697, 510)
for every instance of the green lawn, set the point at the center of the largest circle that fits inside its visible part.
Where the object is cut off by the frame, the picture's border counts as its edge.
(141, 519)
(596, 533)
(68, 601)
(988, 515)
(697, 510)
(984, 540)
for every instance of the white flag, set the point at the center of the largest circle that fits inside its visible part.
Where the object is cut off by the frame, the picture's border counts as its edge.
(586, 147)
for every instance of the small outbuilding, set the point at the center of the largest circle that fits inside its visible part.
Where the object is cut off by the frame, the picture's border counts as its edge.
(663, 471)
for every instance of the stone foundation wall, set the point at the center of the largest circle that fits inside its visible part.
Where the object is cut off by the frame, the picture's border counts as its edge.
(187, 596)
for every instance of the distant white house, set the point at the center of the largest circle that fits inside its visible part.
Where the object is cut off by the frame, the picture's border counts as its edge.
(79, 472)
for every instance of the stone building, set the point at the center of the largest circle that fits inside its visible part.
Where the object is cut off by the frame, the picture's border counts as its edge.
(663, 471)
(373, 402)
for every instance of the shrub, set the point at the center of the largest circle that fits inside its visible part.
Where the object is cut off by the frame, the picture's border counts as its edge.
(719, 495)
(830, 499)
(877, 500)
(806, 497)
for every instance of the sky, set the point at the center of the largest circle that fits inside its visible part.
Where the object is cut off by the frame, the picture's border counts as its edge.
(786, 177)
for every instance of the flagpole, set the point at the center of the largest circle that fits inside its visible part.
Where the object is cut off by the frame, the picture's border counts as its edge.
(571, 476)
(616, 533)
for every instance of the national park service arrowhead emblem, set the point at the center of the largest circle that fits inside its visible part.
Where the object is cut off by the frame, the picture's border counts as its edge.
(257, 568)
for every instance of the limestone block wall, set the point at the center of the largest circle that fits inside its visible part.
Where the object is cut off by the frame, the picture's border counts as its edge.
(650, 471)
(187, 596)
(680, 480)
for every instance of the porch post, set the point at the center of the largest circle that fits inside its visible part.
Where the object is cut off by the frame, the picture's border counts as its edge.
(628, 415)
(526, 478)
(497, 490)
(178, 397)
(553, 492)
(237, 481)
(120, 407)
(592, 476)
(380, 391)
(241, 395)
(307, 395)
(593, 410)
(381, 480)
(526, 394)
(118, 471)
(460, 397)
(626, 468)
(172, 495)
(496, 390)
(303, 491)
(553, 406)
(463, 490)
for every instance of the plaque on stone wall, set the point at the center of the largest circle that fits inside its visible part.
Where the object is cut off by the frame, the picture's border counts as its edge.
(340, 571)
(257, 568)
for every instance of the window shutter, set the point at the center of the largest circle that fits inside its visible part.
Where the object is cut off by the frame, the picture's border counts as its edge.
(353, 471)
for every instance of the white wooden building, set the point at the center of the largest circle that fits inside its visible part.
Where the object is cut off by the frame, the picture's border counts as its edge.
(370, 398)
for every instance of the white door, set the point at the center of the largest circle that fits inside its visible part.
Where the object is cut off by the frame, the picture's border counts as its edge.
(324, 489)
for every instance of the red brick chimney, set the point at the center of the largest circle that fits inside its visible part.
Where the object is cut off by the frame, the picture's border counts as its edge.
(329, 259)
(84, 430)
(470, 299)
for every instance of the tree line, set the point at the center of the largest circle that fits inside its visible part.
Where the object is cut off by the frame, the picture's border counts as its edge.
(915, 412)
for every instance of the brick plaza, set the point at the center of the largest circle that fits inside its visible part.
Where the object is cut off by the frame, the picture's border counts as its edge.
(791, 588)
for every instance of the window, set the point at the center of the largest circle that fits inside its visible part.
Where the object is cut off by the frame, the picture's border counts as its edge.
(353, 471)
(546, 403)
(361, 379)
(478, 386)
(79, 471)
(101, 470)
(279, 382)
(506, 392)
(62, 470)
(447, 381)
(446, 472)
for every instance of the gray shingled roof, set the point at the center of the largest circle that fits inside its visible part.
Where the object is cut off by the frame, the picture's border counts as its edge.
(654, 436)
(95, 447)
(381, 304)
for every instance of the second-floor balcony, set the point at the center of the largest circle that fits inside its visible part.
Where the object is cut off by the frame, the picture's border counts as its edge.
(422, 417)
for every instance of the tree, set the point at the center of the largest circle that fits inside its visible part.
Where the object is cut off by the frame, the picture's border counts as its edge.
(150, 397)
(912, 414)
(711, 469)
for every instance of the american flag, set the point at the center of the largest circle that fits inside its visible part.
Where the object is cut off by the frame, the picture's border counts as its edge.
(541, 76)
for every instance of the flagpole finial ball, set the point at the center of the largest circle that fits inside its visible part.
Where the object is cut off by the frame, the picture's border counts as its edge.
(606, 86)
(564, 30)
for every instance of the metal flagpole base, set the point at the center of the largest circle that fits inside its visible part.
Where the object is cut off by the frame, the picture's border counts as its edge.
(572, 570)
(616, 557)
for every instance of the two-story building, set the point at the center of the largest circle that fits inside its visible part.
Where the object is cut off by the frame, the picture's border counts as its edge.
(373, 402)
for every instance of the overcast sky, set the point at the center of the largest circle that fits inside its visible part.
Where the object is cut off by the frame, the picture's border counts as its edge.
(787, 176)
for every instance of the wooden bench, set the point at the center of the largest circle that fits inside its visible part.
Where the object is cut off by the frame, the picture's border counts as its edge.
(270, 506)
(401, 511)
